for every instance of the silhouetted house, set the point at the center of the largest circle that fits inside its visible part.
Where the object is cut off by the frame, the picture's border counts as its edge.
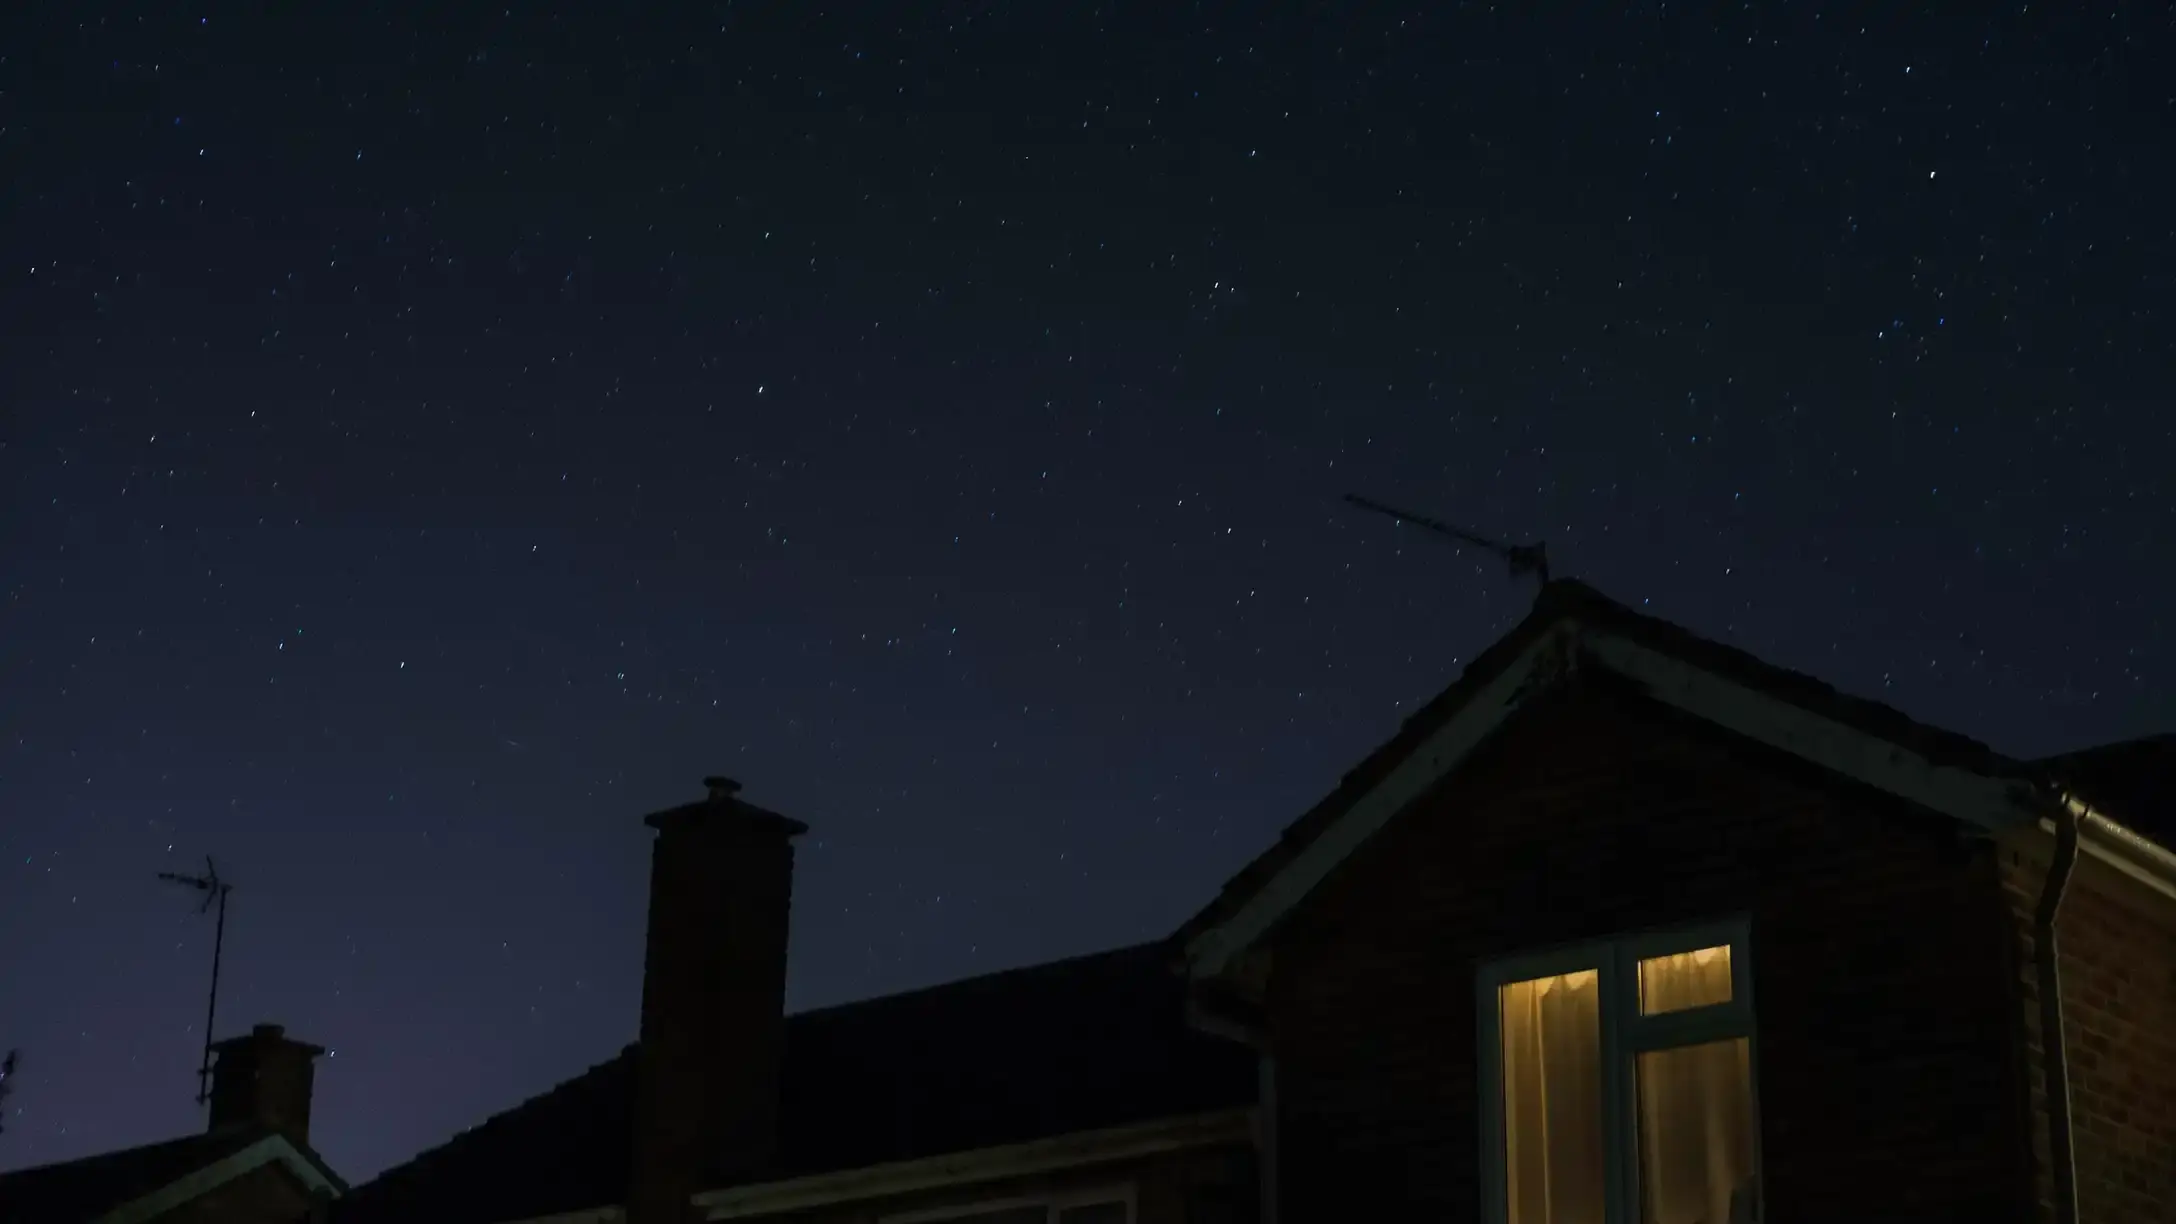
(1077, 1084)
(1630, 925)
(254, 1165)
(1626, 925)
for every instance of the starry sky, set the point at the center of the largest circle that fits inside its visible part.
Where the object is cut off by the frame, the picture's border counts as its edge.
(435, 435)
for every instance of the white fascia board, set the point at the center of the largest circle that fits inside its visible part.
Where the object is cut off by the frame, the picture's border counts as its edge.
(981, 1165)
(2121, 847)
(269, 1150)
(1215, 949)
(1983, 802)
(1976, 799)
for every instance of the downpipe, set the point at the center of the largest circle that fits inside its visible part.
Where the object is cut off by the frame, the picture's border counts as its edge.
(2054, 1046)
(1250, 1032)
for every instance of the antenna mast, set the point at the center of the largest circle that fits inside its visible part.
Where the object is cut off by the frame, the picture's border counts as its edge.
(215, 892)
(1522, 558)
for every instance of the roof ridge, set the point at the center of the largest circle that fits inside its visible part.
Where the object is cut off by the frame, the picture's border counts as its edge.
(849, 1100)
(994, 975)
(109, 1154)
(2133, 742)
(1594, 615)
(468, 1135)
(1682, 637)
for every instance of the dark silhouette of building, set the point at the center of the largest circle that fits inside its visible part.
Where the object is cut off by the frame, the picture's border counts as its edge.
(1074, 1080)
(252, 1165)
(1626, 923)
(1632, 921)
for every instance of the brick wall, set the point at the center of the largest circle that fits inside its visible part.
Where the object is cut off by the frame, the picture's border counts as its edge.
(265, 1195)
(2118, 948)
(1888, 1081)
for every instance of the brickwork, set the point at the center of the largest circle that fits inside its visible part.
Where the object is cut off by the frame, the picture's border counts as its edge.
(264, 1078)
(713, 1000)
(1889, 1087)
(2117, 941)
(265, 1195)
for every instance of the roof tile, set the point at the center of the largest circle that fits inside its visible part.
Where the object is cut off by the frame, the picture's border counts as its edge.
(1080, 1044)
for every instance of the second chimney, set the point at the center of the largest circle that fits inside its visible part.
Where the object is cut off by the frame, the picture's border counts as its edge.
(707, 1068)
(264, 1078)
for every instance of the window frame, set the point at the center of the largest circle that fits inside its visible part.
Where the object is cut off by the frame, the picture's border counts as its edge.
(1117, 1192)
(1625, 1035)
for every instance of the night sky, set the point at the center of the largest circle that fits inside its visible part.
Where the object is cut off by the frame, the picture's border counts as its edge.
(434, 435)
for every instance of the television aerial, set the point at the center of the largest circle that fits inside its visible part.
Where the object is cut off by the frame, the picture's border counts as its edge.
(1522, 558)
(215, 890)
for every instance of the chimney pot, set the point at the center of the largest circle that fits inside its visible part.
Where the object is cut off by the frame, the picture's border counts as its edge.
(721, 788)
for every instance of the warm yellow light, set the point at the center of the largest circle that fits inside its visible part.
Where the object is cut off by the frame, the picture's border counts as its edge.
(1554, 1170)
(1543, 986)
(1681, 980)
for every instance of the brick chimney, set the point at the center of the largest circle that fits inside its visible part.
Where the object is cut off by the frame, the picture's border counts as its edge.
(713, 1000)
(264, 1077)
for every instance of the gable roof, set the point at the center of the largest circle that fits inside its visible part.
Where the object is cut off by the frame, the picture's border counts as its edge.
(1076, 1045)
(140, 1183)
(1573, 626)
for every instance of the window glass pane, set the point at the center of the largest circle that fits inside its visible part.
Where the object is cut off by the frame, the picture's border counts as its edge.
(1094, 1213)
(1685, 979)
(1552, 1059)
(1696, 1135)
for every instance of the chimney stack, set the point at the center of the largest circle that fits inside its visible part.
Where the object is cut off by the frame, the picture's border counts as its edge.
(713, 1000)
(264, 1077)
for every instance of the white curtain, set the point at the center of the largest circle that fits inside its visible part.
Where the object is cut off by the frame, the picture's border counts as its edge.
(1552, 1068)
(1696, 1133)
(1684, 979)
(1695, 1103)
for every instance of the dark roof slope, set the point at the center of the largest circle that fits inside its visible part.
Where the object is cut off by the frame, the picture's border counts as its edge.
(1569, 600)
(2133, 781)
(77, 1191)
(562, 1150)
(1095, 1041)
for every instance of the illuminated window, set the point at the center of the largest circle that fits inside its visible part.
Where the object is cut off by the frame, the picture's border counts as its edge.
(1680, 980)
(1618, 1083)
